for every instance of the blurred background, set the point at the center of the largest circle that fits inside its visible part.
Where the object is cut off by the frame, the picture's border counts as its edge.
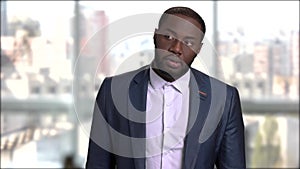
(50, 73)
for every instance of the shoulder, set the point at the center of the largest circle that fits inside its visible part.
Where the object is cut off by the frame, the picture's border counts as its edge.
(213, 82)
(120, 81)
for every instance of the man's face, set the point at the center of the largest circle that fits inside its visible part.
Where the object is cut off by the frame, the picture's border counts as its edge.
(177, 42)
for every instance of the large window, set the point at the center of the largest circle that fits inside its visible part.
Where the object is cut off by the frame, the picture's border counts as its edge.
(36, 88)
(54, 56)
(258, 45)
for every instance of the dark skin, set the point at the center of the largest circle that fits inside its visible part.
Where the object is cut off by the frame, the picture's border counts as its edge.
(177, 42)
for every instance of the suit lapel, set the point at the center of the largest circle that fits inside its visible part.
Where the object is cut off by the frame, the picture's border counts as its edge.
(199, 105)
(137, 113)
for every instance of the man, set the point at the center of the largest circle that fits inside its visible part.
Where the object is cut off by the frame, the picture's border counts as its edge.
(168, 115)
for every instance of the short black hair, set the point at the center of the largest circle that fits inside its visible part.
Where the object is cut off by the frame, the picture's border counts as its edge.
(186, 12)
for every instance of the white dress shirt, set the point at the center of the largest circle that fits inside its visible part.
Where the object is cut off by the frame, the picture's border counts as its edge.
(166, 121)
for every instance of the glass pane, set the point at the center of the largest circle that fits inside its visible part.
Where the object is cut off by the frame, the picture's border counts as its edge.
(272, 141)
(36, 83)
(258, 47)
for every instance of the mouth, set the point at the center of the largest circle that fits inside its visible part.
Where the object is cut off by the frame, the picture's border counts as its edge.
(173, 62)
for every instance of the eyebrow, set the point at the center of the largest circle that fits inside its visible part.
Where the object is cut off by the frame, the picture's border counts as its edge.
(173, 32)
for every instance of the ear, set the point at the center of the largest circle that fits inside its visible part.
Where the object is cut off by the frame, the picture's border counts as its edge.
(155, 36)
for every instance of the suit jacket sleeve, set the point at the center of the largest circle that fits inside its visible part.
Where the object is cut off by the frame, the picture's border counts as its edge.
(98, 157)
(232, 152)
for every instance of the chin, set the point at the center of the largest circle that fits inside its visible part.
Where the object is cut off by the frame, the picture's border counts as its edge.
(175, 73)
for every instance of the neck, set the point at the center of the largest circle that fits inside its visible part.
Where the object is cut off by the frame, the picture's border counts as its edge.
(166, 76)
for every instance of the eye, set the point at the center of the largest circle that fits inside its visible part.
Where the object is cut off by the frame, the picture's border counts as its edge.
(188, 43)
(169, 37)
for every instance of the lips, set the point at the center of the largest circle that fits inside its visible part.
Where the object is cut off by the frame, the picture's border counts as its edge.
(173, 62)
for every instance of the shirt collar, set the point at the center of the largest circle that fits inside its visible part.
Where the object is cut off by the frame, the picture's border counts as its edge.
(180, 84)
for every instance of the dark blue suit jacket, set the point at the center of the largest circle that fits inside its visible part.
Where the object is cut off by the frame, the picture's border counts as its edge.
(215, 128)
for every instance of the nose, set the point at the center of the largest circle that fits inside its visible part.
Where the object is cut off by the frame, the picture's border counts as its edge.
(176, 47)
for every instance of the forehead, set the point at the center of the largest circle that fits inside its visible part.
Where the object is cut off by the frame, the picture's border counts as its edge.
(182, 25)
